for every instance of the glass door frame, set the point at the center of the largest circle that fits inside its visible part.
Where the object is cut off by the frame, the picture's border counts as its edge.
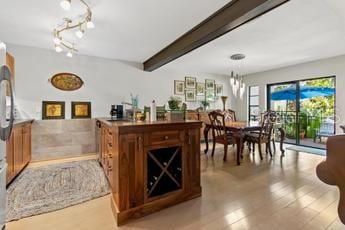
(298, 102)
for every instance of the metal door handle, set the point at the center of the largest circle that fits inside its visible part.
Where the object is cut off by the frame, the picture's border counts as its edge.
(5, 74)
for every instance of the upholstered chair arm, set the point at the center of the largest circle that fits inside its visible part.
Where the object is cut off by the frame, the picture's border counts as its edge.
(332, 170)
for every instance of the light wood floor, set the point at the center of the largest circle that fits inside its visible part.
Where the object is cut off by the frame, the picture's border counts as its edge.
(270, 194)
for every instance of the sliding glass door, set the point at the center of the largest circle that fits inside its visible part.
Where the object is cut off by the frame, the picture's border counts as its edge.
(306, 109)
(283, 99)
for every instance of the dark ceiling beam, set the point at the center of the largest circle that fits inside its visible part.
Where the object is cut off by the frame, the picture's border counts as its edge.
(231, 16)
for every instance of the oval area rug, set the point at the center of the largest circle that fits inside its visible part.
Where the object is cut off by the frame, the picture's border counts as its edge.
(53, 187)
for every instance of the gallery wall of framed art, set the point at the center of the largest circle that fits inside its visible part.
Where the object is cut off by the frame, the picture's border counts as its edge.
(195, 90)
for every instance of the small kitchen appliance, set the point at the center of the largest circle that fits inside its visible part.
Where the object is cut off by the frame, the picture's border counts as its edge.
(116, 112)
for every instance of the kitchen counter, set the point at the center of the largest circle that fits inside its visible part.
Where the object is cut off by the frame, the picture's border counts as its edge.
(125, 124)
(149, 165)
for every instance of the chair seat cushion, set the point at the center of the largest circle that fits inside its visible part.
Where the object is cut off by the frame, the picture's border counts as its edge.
(255, 137)
(229, 137)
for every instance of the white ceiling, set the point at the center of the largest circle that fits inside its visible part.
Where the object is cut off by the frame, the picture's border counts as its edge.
(297, 32)
(133, 30)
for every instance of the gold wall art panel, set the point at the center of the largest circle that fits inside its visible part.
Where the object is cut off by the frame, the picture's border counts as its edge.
(66, 81)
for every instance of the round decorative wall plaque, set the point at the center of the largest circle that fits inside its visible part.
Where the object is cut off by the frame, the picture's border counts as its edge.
(66, 81)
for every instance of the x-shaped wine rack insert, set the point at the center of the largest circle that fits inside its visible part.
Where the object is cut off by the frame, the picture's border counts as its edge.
(164, 169)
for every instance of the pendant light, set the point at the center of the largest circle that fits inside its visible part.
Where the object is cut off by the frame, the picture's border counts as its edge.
(236, 74)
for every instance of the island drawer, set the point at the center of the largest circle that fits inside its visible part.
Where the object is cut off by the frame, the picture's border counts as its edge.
(163, 137)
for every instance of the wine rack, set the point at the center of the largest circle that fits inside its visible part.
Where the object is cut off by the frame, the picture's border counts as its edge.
(164, 171)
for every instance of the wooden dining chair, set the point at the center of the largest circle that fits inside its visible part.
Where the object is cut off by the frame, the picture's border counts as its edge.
(220, 133)
(264, 135)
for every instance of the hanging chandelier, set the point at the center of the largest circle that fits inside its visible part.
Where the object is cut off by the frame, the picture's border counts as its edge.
(78, 26)
(236, 75)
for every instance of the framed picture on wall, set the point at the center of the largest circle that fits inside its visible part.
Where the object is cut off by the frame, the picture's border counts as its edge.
(179, 87)
(190, 95)
(81, 110)
(200, 89)
(219, 90)
(53, 110)
(210, 84)
(190, 82)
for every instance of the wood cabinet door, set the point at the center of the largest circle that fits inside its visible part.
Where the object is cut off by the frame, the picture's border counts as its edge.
(192, 158)
(10, 64)
(18, 148)
(26, 144)
(131, 175)
(10, 159)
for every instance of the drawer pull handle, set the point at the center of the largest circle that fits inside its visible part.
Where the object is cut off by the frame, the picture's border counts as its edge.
(110, 145)
(166, 138)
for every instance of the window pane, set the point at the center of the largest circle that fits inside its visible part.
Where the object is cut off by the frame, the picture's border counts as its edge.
(253, 105)
(254, 90)
(254, 100)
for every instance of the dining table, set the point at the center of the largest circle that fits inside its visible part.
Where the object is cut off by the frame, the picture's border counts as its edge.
(239, 130)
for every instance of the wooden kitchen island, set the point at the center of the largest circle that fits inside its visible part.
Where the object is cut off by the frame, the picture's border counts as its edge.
(149, 165)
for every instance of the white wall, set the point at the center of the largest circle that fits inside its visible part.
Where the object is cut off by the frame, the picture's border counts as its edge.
(322, 68)
(106, 81)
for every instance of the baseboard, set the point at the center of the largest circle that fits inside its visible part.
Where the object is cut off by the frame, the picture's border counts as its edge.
(90, 156)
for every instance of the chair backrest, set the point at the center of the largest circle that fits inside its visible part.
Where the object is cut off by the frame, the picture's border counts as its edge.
(269, 118)
(184, 110)
(230, 115)
(217, 120)
(160, 111)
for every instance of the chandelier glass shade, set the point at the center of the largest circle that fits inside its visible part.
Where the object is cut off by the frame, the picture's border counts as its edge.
(78, 26)
(236, 72)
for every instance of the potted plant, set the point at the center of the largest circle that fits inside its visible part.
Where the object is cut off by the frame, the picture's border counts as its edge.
(175, 113)
(205, 104)
(174, 103)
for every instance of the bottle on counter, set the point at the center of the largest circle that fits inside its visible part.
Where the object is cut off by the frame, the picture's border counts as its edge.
(153, 111)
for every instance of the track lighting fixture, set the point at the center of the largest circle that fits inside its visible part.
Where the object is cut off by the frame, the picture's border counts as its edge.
(78, 26)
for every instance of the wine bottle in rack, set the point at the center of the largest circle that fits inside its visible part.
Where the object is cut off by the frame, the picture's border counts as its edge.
(176, 172)
(151, 181)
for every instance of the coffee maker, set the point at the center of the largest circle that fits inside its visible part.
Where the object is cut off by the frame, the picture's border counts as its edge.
(116, 112)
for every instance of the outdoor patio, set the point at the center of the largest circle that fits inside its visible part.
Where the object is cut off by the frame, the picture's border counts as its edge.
(309, 142)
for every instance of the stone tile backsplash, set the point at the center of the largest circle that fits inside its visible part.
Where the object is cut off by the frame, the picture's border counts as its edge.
(54, 139)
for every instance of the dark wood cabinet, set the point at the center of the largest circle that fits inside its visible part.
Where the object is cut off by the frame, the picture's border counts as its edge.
(150, 166)
(18, 150)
